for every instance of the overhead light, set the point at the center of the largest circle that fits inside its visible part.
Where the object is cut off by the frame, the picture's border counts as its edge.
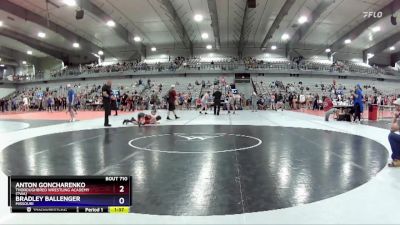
(137, 39)
(41, 35)
(376, 29)
(2, 65)
(75, 45)
(209, 46)
(392, 48)
(302, 19)
(370, 38)
(100, 52)
(204, 35)
(327, 50)
(24, 62)
(153, 49)
(285, 37)
(1, 23)
(70, 2)
(29, 52)
(198, 18)
(111, 23)
(273, 47)
(347, 41)
(0, 59)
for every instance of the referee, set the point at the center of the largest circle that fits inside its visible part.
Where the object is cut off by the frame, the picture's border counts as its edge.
(217, 101)
(106, 90)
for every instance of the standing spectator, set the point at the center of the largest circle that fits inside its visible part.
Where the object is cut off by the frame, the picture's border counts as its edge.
(172, 102)
(106, 92)
(25, 103)
(204, 102)
(154, 99)
(394, 139)
(254, 102)
(189, 100)
(114, 104)
(273, 103)
(231, 103)
(358, 104)
(64, 103)
(124, 100)
(279, 102)
(50, 103)
(181, 100)
(56, 104)
(2, 105)
(71, 100)
(316, 99)
(295, 101)
(149, 82)
(129, 102)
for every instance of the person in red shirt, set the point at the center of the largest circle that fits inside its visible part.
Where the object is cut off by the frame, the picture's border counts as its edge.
(328, 104)
(328, 108)
(198, 103)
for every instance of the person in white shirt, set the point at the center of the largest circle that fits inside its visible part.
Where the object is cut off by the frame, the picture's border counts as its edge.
(231, 103)
(273, 104)
(302, 100)
(254, 99)
(204, 102)
(379, 99)
(26, 103)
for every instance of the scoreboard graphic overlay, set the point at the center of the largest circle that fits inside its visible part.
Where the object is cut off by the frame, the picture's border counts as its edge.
(58, 194)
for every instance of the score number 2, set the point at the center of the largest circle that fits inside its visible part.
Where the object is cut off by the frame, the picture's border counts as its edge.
(121, 200)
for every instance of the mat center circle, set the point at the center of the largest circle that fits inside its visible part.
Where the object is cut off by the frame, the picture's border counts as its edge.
(194, 143)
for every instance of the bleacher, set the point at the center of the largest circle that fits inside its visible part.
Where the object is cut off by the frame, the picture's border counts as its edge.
(218, 63)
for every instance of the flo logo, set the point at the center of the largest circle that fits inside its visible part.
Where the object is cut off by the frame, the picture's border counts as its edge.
(373, 14)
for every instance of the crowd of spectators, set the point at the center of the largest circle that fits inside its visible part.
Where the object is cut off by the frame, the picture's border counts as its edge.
(225, 63)
(143, 94)
(295, 96)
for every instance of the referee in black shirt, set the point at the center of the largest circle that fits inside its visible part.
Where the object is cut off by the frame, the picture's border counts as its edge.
(106, 91)
(217, 101)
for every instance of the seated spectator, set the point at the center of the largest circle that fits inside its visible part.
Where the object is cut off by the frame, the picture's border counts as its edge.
(198, 103)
